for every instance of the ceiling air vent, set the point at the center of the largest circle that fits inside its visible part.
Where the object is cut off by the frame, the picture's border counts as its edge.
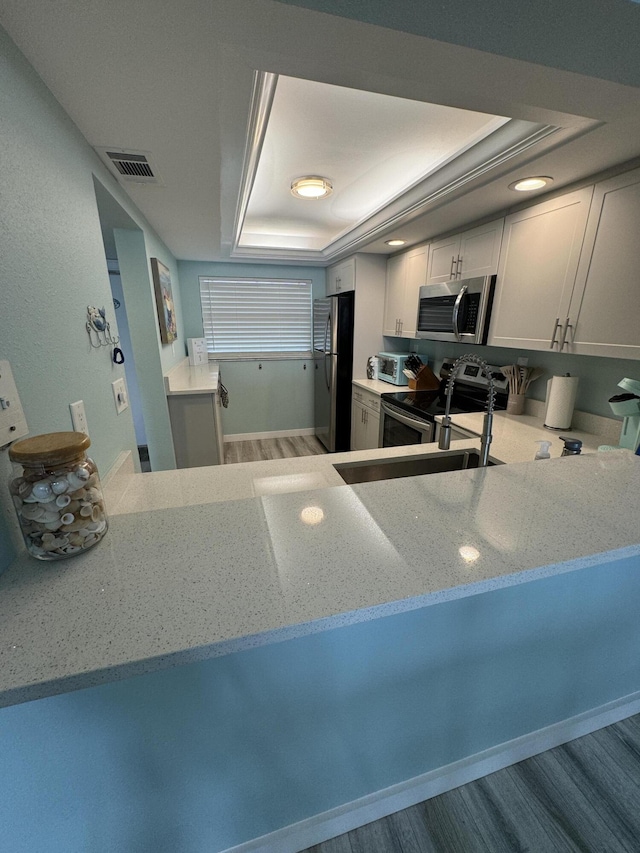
(133, 166)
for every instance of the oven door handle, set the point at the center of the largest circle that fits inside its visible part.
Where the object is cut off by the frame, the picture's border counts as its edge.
(456, 311)
(416, 423)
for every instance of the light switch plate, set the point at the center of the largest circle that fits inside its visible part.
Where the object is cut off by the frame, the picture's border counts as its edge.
(79, 417)
(120, 395)
(12, 421)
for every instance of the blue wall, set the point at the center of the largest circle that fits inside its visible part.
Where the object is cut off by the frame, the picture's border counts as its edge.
(276, 397)
(53, 266)
(204, 756)
(599, 377)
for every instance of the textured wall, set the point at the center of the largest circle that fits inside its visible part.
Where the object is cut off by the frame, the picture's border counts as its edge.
(53, 266)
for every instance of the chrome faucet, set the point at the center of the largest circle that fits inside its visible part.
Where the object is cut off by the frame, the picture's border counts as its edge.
(444, 440)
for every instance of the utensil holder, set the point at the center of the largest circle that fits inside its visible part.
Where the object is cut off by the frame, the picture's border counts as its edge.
(515, 404)
(426, 380)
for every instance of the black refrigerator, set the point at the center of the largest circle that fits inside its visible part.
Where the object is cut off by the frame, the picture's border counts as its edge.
(333, 368)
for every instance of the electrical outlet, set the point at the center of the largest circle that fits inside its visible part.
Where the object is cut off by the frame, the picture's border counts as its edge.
(79, 417)
(120, 395)
(523, 361)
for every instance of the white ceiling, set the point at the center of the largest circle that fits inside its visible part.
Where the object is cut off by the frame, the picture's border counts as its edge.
(176, 77)
(372, 148)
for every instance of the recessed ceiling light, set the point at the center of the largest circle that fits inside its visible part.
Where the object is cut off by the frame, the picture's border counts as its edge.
(525, 185)
(311, 186)
(395, 242)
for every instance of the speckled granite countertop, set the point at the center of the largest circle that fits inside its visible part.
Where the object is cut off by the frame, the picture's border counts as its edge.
(174, 585)
(186, 379)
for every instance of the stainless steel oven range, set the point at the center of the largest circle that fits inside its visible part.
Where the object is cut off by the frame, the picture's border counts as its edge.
(408, 417)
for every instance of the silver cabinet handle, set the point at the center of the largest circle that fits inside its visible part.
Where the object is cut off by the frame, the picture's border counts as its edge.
(459, 267)
(456, 311)
(555, 332)
(454, 264)
(565, 329)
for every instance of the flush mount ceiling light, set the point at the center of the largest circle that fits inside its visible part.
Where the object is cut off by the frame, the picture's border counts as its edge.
(395, 242)
(526, 185)
(311, 186)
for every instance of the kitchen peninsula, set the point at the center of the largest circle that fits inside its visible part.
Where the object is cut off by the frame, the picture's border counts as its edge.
(329, 655)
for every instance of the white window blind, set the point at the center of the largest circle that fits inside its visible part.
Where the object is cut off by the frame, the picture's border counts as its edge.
(256, 316)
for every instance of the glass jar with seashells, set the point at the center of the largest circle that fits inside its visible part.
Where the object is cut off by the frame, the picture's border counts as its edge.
(57, 495)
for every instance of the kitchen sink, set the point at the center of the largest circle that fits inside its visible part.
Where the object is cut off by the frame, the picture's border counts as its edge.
(408, 466)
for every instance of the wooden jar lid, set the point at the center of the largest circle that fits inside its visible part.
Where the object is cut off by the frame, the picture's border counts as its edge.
(52, 448)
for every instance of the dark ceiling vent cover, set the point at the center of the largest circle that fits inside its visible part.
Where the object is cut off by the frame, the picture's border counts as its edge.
(133, 166)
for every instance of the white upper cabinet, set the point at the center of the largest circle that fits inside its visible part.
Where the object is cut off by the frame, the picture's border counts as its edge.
(604, 315)
(467, 255)
(537, 272)
(341, 277)
(406, 274)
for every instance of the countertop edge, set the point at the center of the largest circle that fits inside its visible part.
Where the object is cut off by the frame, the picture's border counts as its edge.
(122, 671)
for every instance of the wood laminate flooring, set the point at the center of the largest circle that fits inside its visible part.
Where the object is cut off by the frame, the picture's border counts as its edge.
(582, 797)
(272, 448)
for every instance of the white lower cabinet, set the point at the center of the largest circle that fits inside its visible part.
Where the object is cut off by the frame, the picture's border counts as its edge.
(365, 419)
(537, 272)
(603, 317)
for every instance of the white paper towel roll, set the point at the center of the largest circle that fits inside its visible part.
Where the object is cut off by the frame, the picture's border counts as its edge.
(561, 398)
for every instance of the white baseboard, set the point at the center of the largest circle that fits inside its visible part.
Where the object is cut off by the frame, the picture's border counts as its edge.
(278, 433)
(329, 824)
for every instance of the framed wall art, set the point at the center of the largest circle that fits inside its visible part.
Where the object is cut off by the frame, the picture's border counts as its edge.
(164, 302)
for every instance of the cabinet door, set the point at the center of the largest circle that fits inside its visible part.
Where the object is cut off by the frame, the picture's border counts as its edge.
(443, 259)
(394, 295)
(342, 277)
(371, 429)
(358, 426)
(415, 277)
(605, 308)
(480, 250)
(537, 270)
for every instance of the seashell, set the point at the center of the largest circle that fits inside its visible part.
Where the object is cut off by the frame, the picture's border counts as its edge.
(91, 540)
(59, 486)
(36, 550)
(75, 482)
(24, 488)
(78, 524)
(17, 501)
(101, 526)
(49, 513)
(30, 499)
(79, 495)
(76, 539)
(96, 513)
(41, 490)
(91, 481)
(67, 518)
(86, 510)
(93, 526)
(74, 506)
(81, 473)
(94, 494)
(63, 500)
(53, 525)
(31, 511)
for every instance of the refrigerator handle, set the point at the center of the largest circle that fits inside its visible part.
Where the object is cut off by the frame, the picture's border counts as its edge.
(326, 375)
(326, 334)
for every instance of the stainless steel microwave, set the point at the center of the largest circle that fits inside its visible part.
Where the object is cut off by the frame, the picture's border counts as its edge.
(456, 310)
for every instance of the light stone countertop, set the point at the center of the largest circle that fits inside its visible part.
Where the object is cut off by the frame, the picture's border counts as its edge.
(170, 586)
(378, 386)
(185, 379)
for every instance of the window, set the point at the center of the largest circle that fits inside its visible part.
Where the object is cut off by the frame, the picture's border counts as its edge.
(260, 317)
